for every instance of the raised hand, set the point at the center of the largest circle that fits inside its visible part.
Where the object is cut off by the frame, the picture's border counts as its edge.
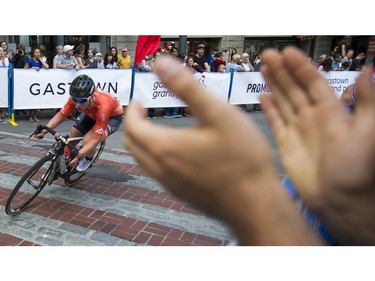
(328, 153)
(223, 165)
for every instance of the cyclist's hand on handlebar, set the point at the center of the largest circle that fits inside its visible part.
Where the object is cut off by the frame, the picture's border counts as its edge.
(40, 135)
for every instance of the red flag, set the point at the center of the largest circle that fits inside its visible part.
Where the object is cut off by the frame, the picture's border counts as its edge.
(146, 45)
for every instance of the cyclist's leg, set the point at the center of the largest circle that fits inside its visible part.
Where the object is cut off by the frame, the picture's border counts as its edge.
(81, 126)
(114, 124)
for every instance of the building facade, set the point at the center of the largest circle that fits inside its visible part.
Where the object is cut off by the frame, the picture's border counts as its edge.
(313, 46)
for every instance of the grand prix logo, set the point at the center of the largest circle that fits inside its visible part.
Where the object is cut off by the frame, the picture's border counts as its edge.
(201, 81)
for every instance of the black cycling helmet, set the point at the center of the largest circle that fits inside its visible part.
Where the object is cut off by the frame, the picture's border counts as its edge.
(82, 87)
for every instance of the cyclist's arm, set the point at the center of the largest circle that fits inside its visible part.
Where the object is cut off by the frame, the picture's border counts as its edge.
(53, 123)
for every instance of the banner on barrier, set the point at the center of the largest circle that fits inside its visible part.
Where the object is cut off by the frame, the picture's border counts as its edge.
(247, 86)
(49, 88)
(3, 87)
(340, 80)
(152, 93)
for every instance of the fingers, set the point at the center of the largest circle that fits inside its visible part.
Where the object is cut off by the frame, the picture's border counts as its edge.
(282, 81)
(365, 90)
(183, 84)
(273, 115)
(139, 130)
(307, 77)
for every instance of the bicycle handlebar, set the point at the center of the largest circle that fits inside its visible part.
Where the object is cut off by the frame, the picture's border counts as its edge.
(57, 136)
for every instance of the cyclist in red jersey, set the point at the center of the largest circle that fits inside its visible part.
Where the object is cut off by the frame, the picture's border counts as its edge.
(101, 115)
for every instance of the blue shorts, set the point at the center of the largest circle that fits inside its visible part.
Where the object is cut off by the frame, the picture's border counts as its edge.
(84, 123)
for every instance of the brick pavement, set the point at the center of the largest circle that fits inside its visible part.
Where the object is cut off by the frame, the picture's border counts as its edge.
(116, 203)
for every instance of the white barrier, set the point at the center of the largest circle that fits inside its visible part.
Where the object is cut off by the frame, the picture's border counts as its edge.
(49, 88)
(3, 87)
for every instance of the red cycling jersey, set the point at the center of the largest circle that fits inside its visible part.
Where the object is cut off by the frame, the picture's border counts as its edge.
(105, 106)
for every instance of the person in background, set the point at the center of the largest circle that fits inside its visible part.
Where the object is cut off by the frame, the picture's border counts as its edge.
(19, 59)
(99, 60)
(246, 63)
(124, 59)
(201, 59)
(90, 60)
(67, 60)
(219, 60)
(114, 53)
(109, 63)
(35, 62)
(4, 62)
(234, 64)
(59, 52)
(344, 45)
(7, 52)
(357, 62)
(80, 56)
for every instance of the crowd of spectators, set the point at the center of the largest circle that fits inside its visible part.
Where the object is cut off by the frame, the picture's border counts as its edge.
(202, 60)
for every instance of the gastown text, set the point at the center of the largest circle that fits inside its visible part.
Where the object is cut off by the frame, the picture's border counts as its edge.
(62, 88)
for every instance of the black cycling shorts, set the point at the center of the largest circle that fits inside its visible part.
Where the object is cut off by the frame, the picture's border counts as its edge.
(84, 123)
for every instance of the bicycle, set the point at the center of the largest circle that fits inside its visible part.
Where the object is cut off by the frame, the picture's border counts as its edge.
(48, 169)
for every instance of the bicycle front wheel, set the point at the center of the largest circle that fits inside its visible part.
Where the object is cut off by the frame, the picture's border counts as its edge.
(74, 176)
(30, 185)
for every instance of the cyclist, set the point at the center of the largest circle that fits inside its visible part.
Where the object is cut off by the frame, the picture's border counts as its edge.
(101, 115)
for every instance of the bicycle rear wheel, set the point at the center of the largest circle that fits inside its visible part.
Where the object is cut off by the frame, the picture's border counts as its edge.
(74, 176)
(30, 185)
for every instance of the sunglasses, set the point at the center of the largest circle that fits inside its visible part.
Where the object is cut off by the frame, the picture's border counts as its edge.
(78, 100)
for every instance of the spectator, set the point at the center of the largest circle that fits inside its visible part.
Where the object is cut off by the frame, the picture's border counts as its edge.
(67, 60)
(19, 59)
(219, 60)
(59, 52)
(344, 45)
(35, 62)
(8, 53)
(246, 63)
(4, 62)
(124, 59)
(80, 56)
(114, 53)
(234, 64)
(345, 66)
(173, 112)
(348, 57)
(201, 59)
(43, 52)
(326, 65)
(258, 63)
(109, 62)
(357, 62)
(336, 65)
(99, 60)
(232, 53)
(221, 68)
(145, 65)
(90, 61)
(190, 65)
(320, 60)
